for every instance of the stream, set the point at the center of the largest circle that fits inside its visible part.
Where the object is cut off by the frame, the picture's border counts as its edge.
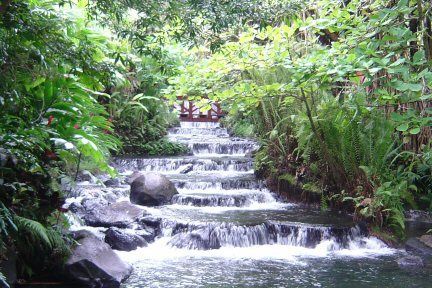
(225, 229)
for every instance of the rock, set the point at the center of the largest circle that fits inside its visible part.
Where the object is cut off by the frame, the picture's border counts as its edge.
(201, 239)
(110, 197)
(86, 176)
(410, 262)
(149, 234)
(418, 216)
(86, 206)
(152, 189)
(150, 227)
(133, 176)
(76, 207)
(94, 264)
(124, 240)
(151, 221)
(416, 246)
(427, 240)
(185, 169)
(112, 182)
(120, 214)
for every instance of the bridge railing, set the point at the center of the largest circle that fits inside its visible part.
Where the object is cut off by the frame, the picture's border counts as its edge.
(189, 112)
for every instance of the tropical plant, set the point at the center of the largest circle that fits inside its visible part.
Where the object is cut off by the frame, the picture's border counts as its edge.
(340, 86)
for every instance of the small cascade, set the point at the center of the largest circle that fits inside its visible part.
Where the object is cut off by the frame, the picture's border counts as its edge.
(219, 132)
(176, 164)
(214, 236)
(201, 200)
(228, 184)
(237, 148)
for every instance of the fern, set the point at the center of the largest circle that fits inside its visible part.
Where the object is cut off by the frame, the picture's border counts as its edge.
(34, 228)
(3, 281)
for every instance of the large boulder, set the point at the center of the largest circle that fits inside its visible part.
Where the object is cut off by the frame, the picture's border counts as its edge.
(152, 189)
(120, 214)
(124, 240)
(94, 264)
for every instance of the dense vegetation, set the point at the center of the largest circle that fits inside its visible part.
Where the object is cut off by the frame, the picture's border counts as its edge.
(339, 95)
(71, 93)
(337, 92)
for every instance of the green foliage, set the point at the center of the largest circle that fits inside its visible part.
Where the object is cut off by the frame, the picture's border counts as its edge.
(139, 113)
(335, 95)
(51, 114)
(202, 22)
(239, 126)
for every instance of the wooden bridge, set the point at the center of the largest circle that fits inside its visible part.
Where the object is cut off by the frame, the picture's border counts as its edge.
(189, 112)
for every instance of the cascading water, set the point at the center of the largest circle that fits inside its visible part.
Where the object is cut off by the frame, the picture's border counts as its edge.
(225, 229)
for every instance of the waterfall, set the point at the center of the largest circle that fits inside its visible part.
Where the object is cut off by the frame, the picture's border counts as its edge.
(223, 213)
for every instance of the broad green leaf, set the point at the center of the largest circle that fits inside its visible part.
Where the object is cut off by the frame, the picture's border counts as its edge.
(403, 127)
(414, 131)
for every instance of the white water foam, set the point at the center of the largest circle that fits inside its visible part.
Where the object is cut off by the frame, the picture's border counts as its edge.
(160, 250)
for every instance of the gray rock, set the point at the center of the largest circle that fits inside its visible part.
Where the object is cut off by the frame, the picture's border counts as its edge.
(410, 262)
(133, 176)
(86, 176)
(150, 227)
(418, 216)
(110, 197)
(76, 207)
(426, 240)
(148, 233)
(151, 221)
(416, 246)
(112, 182)
(120, 214)
(124, 240)
(201, 239)
(186, 169)
(152, 189)
(94, 264)
(87, 205)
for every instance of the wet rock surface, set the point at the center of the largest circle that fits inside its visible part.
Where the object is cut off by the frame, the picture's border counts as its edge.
(418, 216)
(410, 262)
(426, 240)
(120, 214)
(414, 245)
(94, 264)
(152, 189)
(124, 240)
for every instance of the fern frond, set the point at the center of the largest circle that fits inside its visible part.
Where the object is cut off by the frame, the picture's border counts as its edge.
(36, 229)
(3, 281)
(57, 240)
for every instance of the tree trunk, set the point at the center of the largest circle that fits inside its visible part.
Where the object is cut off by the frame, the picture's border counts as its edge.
(428, 38)
(413, 26)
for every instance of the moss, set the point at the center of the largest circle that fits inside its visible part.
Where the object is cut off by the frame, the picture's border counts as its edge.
(289, 178)
(312, 187)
